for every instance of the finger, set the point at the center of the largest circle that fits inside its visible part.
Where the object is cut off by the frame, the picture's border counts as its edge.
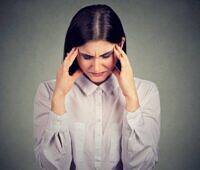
(123, 54)
(71, 51)
(73, 56)
(70, 59)
(118, 55)
(68, 54)
(65, 65)
(121, 51)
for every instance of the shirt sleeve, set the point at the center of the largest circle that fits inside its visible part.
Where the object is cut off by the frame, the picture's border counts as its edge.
(52, 142)
(141, 133)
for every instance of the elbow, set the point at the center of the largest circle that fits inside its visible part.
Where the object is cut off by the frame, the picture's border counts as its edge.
(37, 154)
(43, 161)
(144, 159)
(150, 159)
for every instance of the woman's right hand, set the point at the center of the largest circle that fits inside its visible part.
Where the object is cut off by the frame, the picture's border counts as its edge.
(64, 81)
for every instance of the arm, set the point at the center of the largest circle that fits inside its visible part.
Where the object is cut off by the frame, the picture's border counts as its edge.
(141, 132)
(52, 142)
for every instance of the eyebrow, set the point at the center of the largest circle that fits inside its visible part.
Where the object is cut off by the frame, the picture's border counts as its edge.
(109, 52)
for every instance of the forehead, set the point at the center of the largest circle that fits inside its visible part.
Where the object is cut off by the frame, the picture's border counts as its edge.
(96, 47)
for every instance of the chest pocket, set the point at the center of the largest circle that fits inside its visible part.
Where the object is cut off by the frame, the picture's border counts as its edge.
(115, 143)
(79, 141)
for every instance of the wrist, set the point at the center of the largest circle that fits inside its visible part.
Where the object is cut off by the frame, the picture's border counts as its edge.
(131, 97)
(132, 104)
(58, 94)
(58, 103)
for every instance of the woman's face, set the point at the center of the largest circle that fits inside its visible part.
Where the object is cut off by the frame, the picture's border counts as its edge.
(96, 59)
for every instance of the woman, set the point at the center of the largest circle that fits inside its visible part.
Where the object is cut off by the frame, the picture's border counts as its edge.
(96, 114)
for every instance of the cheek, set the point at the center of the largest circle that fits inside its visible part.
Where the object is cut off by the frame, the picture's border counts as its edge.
(82, 64)
(111, 62)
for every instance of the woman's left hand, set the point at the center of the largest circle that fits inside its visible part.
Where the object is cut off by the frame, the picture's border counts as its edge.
(126, 79)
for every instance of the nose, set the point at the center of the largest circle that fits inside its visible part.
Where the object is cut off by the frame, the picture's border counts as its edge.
(97, 65)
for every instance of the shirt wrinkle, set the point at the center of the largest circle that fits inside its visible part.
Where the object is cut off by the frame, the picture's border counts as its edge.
(96, 131)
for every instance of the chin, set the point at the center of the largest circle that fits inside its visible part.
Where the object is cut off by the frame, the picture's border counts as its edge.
(97, 80)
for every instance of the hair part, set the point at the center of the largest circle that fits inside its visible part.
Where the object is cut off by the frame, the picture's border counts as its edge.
(94, 22)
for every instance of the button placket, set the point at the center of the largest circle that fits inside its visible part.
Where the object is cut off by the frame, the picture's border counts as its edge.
(98, 128)
(57, 123)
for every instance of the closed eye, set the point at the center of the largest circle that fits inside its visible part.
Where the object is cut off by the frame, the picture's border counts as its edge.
(105, 56)
(87, 57)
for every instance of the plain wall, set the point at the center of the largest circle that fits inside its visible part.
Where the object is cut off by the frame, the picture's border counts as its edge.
(163, 45)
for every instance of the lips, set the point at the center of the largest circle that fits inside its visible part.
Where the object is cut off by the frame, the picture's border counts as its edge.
(98, 74)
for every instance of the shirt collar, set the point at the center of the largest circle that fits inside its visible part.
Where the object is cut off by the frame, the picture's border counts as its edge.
(88, 87)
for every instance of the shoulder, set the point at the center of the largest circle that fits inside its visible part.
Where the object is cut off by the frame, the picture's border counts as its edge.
(143, 84)
(146, 89)
(46, 87)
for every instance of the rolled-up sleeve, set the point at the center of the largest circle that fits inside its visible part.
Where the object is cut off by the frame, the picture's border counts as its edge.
(141, 133)
(52, 142)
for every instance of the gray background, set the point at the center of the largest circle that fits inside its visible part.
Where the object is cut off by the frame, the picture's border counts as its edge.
(163, 44)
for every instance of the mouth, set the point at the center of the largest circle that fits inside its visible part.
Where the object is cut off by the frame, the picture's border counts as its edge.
(98, 74)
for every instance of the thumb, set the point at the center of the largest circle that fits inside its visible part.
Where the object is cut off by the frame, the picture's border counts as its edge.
(116, 72)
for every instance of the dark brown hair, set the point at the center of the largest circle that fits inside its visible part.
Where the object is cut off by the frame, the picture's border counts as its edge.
(94, 22)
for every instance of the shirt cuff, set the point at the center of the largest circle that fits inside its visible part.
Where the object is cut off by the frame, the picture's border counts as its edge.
(133, 119)
(57, 122)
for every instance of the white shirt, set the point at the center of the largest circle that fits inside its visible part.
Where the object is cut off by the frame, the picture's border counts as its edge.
(96, 131)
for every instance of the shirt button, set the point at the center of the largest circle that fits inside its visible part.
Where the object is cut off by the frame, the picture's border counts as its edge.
(57, 122)
(98, 90)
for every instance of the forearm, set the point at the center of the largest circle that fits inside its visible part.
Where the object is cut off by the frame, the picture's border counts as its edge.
(58, 103)
(132, 103)
(141, 131)
(52, 141)
(139, 141)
